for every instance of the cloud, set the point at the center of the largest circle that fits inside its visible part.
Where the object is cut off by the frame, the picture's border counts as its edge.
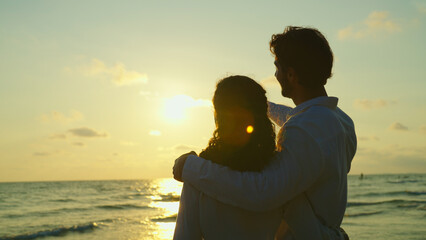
(393, 151)
(367, 104)
(155, 133)
(59, 117)
(377, 23)
(59, 136)
(423, 129)
(118, 73)
(421, 8)
(176, 151)
(269, 81)
(183, 147)
(390, 159)
(368, 138)
(78, 144)
(398, 127)
(41, 154)
(86, 132)
(179, 148)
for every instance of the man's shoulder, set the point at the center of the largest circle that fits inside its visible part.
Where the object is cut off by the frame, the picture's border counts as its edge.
(314, 114)
(321, 117)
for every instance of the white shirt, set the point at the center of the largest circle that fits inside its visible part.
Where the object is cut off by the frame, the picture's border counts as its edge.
(319, 143)
(201, 216)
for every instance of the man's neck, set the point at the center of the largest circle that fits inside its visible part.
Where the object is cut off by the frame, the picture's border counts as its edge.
(307, 94)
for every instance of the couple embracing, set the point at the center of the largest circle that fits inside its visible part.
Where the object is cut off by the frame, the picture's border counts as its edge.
(244, 184)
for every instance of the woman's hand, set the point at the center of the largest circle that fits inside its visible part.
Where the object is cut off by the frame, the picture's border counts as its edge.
(179, 164)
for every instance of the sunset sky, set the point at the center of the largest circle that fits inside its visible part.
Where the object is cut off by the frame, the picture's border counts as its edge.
(119, 89)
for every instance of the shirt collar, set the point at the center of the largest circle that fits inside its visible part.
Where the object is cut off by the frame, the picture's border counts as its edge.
(330, 102)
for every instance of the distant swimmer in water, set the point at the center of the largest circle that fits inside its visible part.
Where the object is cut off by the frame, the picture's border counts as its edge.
(361, 176)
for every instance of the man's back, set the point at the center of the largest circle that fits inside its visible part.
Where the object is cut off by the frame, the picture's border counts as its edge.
(334, 133)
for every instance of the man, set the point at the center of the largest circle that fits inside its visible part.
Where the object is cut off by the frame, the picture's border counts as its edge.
(316, 145)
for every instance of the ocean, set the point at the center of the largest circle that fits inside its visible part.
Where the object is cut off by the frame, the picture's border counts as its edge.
(379, 207)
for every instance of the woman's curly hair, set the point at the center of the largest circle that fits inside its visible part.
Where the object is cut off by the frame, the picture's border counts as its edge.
(239, 100)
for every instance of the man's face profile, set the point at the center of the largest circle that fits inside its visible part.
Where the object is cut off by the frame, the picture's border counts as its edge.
(281, 77)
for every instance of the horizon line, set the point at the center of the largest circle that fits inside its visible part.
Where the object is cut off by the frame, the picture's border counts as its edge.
(142, 179)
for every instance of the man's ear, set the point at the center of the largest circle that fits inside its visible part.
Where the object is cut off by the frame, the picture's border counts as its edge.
(292, 75)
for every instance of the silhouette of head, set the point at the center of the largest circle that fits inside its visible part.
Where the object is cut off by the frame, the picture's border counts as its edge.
(244, 138)
(306, 52)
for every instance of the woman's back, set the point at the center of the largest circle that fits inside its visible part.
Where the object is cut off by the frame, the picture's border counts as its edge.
(205, 217)
(244, 140)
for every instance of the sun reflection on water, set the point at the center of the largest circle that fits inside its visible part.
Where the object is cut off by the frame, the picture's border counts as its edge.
(168, 186)
(165, 230)
(166, 198)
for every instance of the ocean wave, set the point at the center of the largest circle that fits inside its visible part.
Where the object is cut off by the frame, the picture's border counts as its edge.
(423, 207)
(393, 193)
(122, 206)
(168, 198)
(45, 213)
(68, 210)
(63, 200)
(408, 205)
(402, 181)
(171, 218)
(416, 192)
(132, 196)
(54, 232)
(393, 201)
(363, 214)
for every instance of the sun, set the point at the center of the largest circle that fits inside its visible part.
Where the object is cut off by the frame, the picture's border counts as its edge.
(175, 108)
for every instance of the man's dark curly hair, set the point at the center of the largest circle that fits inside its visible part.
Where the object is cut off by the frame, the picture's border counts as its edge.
(305, 50)
(237, 101)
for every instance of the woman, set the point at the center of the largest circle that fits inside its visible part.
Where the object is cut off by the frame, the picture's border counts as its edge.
(244, 140)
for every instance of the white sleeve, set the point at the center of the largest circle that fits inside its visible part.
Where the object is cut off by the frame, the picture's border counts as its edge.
(188, 222)
(291, 172)
(278, 113)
